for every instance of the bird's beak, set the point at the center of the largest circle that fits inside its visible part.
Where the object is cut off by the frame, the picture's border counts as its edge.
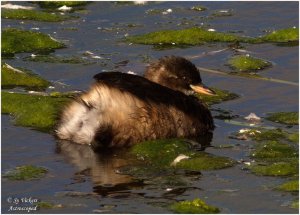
(200, 88)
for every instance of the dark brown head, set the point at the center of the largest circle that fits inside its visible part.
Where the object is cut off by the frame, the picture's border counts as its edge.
(178, 74)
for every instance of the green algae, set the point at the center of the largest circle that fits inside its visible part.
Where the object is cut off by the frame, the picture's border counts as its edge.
(190, 36)
(289, 118)
(198, 36)
(38, 112)
(221, 96)
(275, 150)
(290, 186)
(57, 59)
(295, 204)
(244, 63)
(277, 169)
(205, 161)
(21, 78)
(161, 154)
(198, 8)
(271, 134)
(27, 172)
(222, 13)
(294, 137)
(56, 4)
(45, 205)
(282, 35)
(196, 206)
(275, 154)
(23, 14)
(17, 41)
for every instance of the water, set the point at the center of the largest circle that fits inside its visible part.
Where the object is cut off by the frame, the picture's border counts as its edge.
(79, 179)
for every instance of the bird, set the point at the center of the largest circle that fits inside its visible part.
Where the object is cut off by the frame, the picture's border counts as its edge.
(121, 109)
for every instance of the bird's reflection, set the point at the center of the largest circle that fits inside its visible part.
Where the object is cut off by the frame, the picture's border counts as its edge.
(102, 166)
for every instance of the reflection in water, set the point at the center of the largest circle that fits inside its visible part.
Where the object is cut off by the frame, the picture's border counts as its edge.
(101, 167)
(104, 167)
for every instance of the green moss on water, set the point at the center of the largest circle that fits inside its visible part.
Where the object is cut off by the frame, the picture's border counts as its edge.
(39, 112)
(282, 35)
(222, 13)
(57, 59)
(221, 96)
(57, 4)
(205, 161)
(160, 154)
(277, 169)
(199, 36)
(16, 41)
(294, 137)
(289, 118)
(23, 14)
(265, 135)
(45, 205)
(191, 36)
(295, 204)
(278, 134)
(27, 172)
(195, 206)
(274, 153)
(274, 150)
(13, 78)
(290, 186)
(244, 63)
(198, 8)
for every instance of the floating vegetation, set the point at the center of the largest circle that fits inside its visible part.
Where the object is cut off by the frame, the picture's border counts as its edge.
(195, 206)
(277, 169)
(190, 36)
(16, 41)
(39, 112)
(263, 135)
(45, 205)
(267, 135)
(290, 186)
(221, 96)
(246, 63)
(199, 36)
(57, 4)
(205, 161)
(289, 118)
(24, 14)
(222, 13)
(274, 150)
(57, 59)
(294, 137)
(12, 77)
(295, 204)
(274, 153)
(27, 172)
(198, 8)
(162, 154)
(282, 35)
(70, 29)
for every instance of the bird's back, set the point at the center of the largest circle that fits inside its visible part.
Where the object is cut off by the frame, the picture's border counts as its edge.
(121, 109)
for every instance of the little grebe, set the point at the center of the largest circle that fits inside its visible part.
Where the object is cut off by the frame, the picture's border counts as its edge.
(122, 109)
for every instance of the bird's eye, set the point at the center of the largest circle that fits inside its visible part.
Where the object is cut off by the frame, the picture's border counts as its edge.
(184, 78)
